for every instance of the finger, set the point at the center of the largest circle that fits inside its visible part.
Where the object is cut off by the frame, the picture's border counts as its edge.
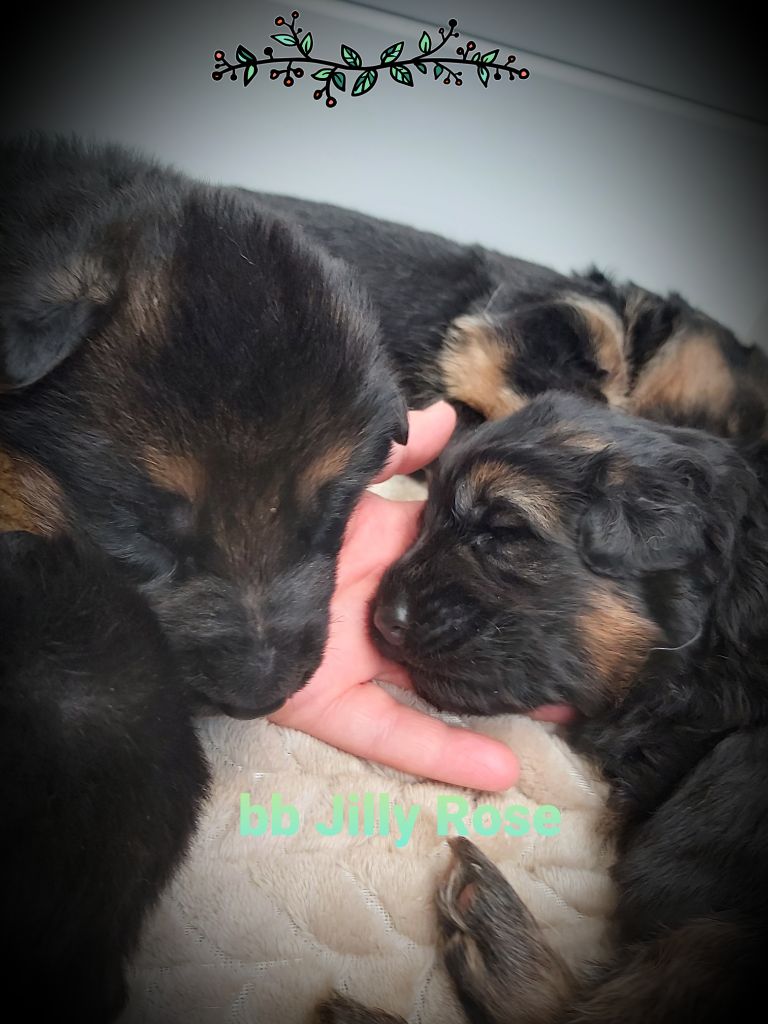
(559, 713)
(377, 534)
(366, 721)
(397, 675)
(429, 431)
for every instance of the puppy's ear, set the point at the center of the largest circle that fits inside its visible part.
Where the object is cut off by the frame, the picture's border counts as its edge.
(632, 529)
(651, 320)
(45, 316)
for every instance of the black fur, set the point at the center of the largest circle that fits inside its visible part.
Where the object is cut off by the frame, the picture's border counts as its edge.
(102, 775)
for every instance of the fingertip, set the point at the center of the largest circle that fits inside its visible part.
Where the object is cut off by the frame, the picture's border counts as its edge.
(560, 714)
(493, 767)
(441, 410)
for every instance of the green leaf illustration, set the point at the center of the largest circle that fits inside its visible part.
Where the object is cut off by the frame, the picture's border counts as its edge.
(351, 57)
(401, 74)
(363, 76)
(391, 53)
(364, 82)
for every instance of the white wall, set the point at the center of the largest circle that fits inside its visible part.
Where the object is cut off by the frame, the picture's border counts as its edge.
(571, 167)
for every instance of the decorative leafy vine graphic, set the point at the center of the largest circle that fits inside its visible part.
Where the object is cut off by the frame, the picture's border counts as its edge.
(332, 74)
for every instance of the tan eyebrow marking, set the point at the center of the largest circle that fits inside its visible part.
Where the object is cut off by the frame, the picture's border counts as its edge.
(326, 467)
(535, 499)
(180, 474)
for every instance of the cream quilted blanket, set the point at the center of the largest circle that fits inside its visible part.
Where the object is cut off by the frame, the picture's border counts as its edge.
(258, 929)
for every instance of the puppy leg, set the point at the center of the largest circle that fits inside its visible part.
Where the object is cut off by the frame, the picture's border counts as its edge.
(101, 777)
(693, 898)
(705, 972)
(341, 1010)
(503, 970)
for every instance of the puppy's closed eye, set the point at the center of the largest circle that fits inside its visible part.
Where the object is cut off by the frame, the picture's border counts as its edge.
(509, 529)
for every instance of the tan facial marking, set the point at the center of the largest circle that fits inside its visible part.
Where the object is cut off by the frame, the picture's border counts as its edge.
(533, 498)
(473, 364)
(591, 444)
(688, 372)
(617, 639)
(572, 438)
(608, 343)
(180, 474)
(30, 499)
(328, 466)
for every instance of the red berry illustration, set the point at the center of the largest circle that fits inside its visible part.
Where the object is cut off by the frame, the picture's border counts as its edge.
(279, 21)
(219, 55)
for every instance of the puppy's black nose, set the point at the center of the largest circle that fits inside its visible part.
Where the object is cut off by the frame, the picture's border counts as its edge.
(391, 620)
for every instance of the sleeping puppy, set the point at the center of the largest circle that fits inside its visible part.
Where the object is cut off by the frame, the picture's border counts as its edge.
(489, 332)
(192, 398)
(574, 554)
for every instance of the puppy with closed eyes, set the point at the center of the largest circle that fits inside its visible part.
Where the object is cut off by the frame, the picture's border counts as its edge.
(574, 554)
(192, 398)
(489, 332)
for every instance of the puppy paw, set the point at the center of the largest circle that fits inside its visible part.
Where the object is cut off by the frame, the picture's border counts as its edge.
(493, 948)
(341, 1010)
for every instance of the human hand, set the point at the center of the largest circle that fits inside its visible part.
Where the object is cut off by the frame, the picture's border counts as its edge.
(340, 704)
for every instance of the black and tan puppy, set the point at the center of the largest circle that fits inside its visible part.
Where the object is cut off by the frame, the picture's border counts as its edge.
(192, 398)
(575, 554)
(489, 332)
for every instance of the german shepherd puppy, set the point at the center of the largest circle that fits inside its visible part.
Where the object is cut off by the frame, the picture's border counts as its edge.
(572, 553)
(489, 332)
(192, 398)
